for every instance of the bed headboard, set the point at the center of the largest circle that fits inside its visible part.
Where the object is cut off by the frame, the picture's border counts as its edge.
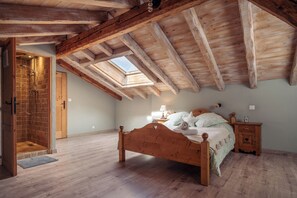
(197, 112)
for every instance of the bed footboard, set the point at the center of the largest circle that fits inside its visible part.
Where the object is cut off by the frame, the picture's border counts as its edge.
(159, 141)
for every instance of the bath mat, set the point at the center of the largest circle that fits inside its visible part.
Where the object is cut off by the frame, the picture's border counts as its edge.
(35, 161)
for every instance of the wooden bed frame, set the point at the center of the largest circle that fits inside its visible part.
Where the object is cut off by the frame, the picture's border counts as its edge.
(159, 141)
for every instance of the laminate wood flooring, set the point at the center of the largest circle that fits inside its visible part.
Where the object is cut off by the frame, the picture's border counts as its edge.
(88, 167)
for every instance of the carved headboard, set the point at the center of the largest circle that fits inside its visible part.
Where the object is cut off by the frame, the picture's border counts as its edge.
(197, 112)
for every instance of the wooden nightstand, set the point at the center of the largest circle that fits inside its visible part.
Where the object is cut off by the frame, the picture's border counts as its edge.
(159, 120)
(248, 137)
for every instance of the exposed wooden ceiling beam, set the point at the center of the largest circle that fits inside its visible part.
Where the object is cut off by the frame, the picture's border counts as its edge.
(90, 70)
(201, 39)
(140, 93)
(148, 62)
(105, 49)
(122, 24)
(106, 3)
(123, 51)
(40, 40)
(293, 75)
(154, 90)
(88, 54)
(133, 59)
(246, 14)
(38, 30)
(286, 10)
(25, 14)
(89, 79)
(162, 39)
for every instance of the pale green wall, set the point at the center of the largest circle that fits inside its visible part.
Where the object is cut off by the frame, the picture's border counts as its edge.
(275, 100)
(89, 107)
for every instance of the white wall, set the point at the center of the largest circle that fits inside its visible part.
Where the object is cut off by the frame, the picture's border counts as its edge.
(90, 109)
(275, 100)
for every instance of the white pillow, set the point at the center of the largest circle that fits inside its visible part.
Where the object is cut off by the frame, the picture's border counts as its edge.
(190, 119)
(176, 118)
(209, 119)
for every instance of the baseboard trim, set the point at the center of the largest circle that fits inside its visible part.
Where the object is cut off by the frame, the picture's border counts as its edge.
(91, 133)
(52, 151)
(277, 152)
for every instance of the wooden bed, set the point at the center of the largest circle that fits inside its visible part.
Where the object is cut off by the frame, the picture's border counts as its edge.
(157, 140)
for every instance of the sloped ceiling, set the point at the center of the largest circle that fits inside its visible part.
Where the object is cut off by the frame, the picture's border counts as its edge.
(229, 42)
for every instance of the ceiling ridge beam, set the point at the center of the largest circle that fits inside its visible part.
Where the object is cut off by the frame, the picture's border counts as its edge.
(246, 15)
(87, 78)
(10, 30)
(203, 44)
(293, 74)
(129, 21)
(148, 62)
(165, 43)
(284, 10)
(117, 4)
(30, 14)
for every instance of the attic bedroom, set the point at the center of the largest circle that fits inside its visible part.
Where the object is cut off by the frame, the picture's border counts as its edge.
(148, 98)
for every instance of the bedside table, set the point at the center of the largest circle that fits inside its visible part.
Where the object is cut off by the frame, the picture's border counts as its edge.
(248, 137)
(159, 120)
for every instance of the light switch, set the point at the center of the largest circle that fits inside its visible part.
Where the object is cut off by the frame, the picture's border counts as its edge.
(252, 107)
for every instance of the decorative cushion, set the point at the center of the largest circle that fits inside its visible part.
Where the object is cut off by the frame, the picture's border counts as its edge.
(176, 118)
(209, 119)
(190, 119)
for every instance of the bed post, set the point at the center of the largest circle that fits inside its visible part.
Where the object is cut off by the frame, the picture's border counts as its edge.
(121, 145)
(204, 169)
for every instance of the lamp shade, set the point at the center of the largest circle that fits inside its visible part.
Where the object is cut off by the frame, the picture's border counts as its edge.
(163, 108)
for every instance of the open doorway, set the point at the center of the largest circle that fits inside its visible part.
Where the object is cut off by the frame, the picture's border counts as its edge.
(33, 105)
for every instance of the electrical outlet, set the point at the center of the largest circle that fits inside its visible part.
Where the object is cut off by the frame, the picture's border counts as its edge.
(252, 107)
(246, 119)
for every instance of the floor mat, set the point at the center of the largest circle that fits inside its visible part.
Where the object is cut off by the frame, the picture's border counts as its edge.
(35, 161)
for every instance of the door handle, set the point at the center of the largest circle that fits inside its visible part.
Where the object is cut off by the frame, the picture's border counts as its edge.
(64, 104)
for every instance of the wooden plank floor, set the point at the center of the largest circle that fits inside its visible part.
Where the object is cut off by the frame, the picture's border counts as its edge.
(88, 167)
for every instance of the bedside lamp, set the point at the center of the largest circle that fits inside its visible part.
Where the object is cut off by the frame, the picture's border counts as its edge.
(163, 109)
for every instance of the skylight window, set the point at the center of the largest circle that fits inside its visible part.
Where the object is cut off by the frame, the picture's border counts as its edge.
(124, 64)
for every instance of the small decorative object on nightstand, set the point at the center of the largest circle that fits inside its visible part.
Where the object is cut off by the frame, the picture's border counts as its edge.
(248, 137)
(160, 120)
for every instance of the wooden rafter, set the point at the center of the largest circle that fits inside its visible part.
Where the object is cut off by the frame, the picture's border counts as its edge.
(140, 93)
(123, 51)
(293, 75)
(162, 39)
(154, 90)
(25, 14)
(201, 39)
(88, 54)
(148, 62)
(133, 59)
(246, 15)
(87, 78)
(90, 71)
(123, 24)
(286, 10)
(7, 30)
(40, 40)
(105, 49)
(106, 3)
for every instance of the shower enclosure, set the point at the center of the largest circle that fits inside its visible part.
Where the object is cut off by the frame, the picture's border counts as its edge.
(33, 86)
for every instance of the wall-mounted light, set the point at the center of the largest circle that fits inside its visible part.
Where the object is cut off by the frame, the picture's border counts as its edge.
(163, 109)
(153, 4)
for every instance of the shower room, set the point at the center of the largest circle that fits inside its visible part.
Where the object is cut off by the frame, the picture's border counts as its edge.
(33, 105)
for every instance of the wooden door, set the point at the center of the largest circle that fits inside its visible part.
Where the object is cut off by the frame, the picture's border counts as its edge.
(61, 105)
(8, 104)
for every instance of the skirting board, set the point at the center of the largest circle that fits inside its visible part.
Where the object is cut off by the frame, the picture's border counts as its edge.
(92, 133)
(276, 152)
